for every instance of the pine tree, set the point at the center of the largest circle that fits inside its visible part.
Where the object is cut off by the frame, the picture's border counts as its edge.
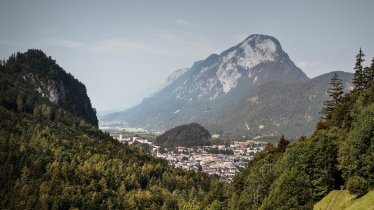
(336, 89)
(335, 92)
(369, 74)
(282, 144)
(359, 78)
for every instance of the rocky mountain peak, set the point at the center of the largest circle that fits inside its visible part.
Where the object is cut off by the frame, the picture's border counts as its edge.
(260, 39)
(261, 44)
(259, 57)
(256, 60)
(254, 50)
(215, 85)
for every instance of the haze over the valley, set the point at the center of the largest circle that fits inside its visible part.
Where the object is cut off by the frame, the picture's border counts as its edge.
(124, 51)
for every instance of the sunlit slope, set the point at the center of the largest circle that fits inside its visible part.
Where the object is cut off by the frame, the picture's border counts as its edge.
(343, 200)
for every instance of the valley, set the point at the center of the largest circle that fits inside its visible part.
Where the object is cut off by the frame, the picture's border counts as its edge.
(223, 159)
(54, 155)
(187, 105)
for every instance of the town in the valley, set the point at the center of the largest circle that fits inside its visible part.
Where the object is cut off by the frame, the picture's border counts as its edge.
(221, 160)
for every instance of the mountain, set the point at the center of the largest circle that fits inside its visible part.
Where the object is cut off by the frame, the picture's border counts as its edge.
(34, 70)
(248, 90)
(52, 157)
(188, 135)
(277, 108)
(175, 75)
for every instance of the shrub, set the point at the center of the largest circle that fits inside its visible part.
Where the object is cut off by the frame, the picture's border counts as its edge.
(358, 186)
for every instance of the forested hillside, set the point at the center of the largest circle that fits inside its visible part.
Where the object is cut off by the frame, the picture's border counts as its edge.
(339, 154)
(188, 135)
(39, 74)
(51, 158)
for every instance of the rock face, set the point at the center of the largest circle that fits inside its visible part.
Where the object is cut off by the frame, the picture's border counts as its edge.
(52, 89)
(257, 60)
(238, 92)
(52, 82)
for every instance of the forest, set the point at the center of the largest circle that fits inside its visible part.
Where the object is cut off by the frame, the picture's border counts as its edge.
(51, 158)
(338, 155)
(54, 157)
(188, 135)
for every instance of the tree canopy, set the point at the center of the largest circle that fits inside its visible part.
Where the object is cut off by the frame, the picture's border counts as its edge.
(299, 174)
(188, 135)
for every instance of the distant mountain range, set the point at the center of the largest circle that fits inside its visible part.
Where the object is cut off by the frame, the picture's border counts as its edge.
(252, 89)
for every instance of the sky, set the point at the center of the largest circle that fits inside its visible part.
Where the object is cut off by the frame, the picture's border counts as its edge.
(124, 50)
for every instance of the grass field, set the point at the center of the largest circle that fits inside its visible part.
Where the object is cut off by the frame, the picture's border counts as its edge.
(343, 200)
(133, 130)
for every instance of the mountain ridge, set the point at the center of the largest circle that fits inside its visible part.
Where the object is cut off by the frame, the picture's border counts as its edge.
(208, 91)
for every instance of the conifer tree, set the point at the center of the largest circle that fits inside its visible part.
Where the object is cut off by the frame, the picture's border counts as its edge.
(335, 92)
(282, 144)
(369, 74)
(359, 78)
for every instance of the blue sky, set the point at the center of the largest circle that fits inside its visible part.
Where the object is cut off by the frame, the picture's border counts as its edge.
(123, 50)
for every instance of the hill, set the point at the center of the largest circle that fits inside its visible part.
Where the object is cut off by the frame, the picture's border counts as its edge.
(35, 71)
(299, 175)
(51, 158)
(188, 135)
(248, 90)
(343, 200)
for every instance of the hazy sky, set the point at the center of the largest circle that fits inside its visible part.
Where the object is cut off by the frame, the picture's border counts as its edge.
(123, 50)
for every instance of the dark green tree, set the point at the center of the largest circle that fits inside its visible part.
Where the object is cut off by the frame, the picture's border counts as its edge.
(357, 185)
(359, 78)
(357, 151)
(292, 190)
(369, 74)
(20, 103)
(282, 144)
(335, 92)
